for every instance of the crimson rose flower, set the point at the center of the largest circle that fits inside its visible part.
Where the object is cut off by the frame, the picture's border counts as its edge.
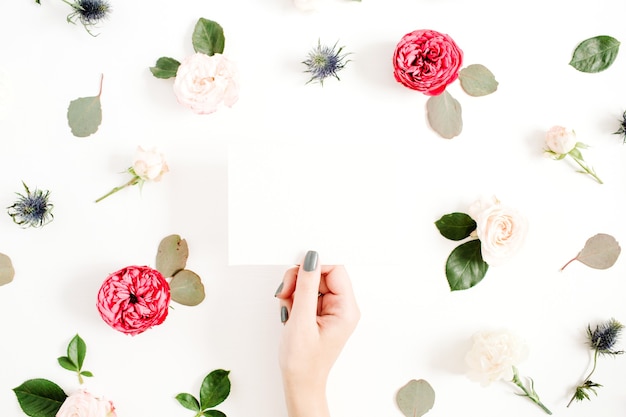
(134, 299)
(427, 61)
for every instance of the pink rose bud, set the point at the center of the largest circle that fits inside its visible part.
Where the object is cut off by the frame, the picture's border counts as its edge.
(560, 140)
(83, 404)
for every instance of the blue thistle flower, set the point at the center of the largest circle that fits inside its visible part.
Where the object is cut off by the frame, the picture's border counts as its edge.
(88, 12)
(324, 61)
(32, 209)
(622, 128)
(605, 336)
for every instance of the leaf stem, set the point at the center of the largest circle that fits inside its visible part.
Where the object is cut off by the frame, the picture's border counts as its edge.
(133, 181)
(100, 90)
(588, 170)
(531, 394)
(568, 262)
(593, 369)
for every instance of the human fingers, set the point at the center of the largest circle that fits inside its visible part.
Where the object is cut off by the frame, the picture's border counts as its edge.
(288, 284)
(305, 296)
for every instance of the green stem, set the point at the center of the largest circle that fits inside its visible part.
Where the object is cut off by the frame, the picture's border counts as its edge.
(587, 170)
(529, 393)
(133, 181)
(593, 369)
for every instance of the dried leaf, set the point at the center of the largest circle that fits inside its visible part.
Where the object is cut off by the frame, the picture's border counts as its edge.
(444, 115)
(476, 80)
(186, 288)
(84, 115)
(172, 255)
(600, 252)
(416, 398)
(6, 269)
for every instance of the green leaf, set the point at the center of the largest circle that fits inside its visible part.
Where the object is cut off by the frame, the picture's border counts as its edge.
(172, 255)
(86, 373)
(186, 288)
(76, 351)
(595, 54)
(465, 266)
(476, 80)
(416, 398)
(40, 397)
(208, 37)
(444, 115)
(84, 115)
(66, 363)
(456, 226)
(213, 413)
(165, 68)
(215, 388)
(600, 252)
(188, 401)
(6, 269)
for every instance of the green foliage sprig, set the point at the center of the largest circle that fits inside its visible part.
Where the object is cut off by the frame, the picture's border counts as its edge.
(76, 351)
(214, 390)
(465, 266)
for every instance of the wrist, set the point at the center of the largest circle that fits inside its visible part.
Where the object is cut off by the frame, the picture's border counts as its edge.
(305, 399)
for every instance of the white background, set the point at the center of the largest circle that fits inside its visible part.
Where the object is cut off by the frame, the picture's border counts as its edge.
(412, 325)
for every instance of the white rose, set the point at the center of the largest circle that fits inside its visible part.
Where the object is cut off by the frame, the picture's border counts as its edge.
(560, 140)
(149, 165)
(203, 82)
(493, 356)
(83, 404)
(500, 229)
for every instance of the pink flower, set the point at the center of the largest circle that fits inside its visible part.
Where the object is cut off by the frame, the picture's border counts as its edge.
(560, 140)
(149, 164)
(203, 82)
(134, 299)
(83, 404)
(427, 61)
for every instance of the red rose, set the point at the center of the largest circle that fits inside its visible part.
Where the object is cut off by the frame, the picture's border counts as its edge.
(134, 299)
(427, 61)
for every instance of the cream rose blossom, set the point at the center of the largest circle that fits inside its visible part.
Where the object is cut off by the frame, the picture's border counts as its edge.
(84, 404)
(493, 356)
(149, 164)
(203, 82)
(500, 229)
(560, 140)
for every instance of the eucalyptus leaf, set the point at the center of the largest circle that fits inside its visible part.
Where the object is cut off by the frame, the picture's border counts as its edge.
(165, 68)
(595, 54)
(186, 288)
(476, 80)
(7, 272)
(40, 397)
(84, 115)
(444, 115)
(416, 398)
(215, 389)
(465, 266)
(600, 252)
(188, 401)
(456, 226)
(208, 37)
(172, 255)
(213, 413)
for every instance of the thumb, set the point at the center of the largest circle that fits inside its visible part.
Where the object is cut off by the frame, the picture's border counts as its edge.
(307, 287)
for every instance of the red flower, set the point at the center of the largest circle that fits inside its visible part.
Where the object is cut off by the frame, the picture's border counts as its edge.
(134, 299)
(427, 61)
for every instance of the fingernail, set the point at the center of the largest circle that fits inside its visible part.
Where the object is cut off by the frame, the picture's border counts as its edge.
(284, 314)
(279, 289)
(310, 261)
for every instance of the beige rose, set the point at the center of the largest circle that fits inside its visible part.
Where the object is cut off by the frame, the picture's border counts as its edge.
(149, 165)
(500, 229)
(560, 140)
(203, 82)
(83, 404)
(493, 356)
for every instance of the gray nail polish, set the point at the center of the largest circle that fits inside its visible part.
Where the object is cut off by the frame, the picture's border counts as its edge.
(310, 261)
(279, 289)
(284, 314)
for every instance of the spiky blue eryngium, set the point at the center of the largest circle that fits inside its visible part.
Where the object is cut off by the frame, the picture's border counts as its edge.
(32, 209)
(88, 12)
(622, 128)
(324, 61)
(605, 336)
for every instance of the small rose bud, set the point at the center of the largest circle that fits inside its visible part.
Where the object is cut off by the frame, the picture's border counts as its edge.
(560, 140)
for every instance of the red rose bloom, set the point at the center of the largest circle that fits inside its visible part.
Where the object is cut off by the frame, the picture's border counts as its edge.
(134, 299)
(427, 61)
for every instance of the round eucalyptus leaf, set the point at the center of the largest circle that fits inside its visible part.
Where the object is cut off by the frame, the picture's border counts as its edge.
(595, 54)
(416, 398)
(465, 266)
(476, 80)
(456, 226)
(600, 252)
(186, 288)
(172, 255)
(6, 269)
(84, 116)
(444, 115)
